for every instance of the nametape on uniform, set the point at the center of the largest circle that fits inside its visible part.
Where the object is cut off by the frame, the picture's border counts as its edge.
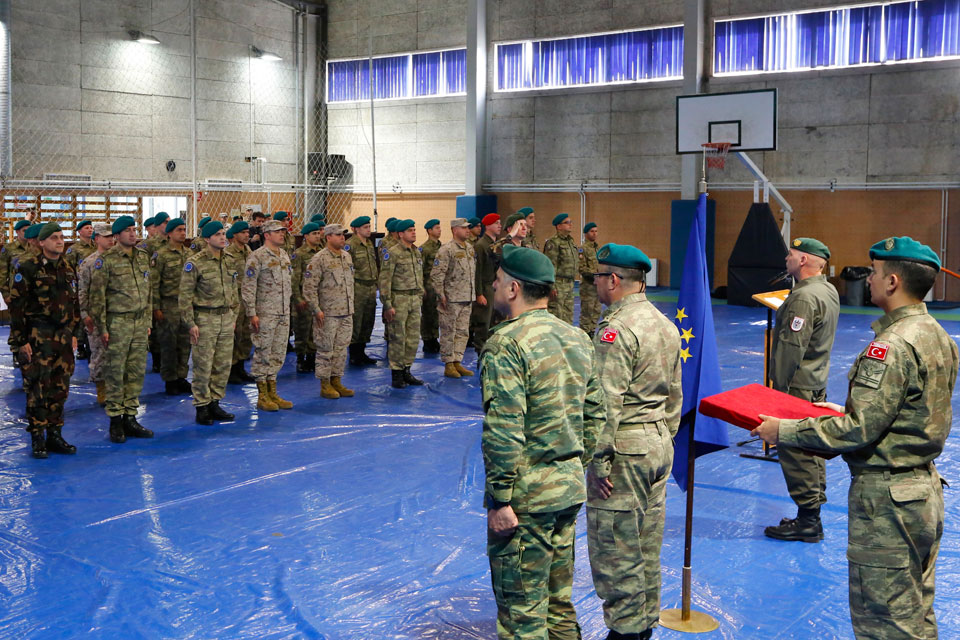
(797, 323)
(609, 335)
(877, 351)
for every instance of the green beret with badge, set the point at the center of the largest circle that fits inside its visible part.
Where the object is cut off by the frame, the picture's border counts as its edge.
(310, 227)
(211, 228)
(121, 223)
(148, 223)
(392, 224)
(812, 246)
(47, 230)
(905, 249)
(173, 224)
(359, 221)
(203, 221)
(403, 225)
(560, 218)
(160, 218)
(527, 265)
(473, 222)
(319, 218)
(623, 255)
(431, 223)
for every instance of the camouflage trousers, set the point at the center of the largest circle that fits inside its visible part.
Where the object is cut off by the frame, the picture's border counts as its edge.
(805, 474)
(454, 327)
(625, 531)
(126, 360)
(303, 338)
(429, 315)
(46, 377)
(153, 343)
(562, 305)
(174, 339)
(270, 347)
(590, 307)
(212, 356)
(364, 311)
(332, 340)
(532, 576)
(894, 527)
(404, 331)
(98, 354)
(481, 317)
(242, 342)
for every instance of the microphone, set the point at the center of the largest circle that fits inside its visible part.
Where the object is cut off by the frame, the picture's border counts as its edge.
(783, 275)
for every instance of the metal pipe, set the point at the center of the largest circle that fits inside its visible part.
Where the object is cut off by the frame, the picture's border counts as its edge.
(373, 133)
(6, 125)
(728, 186)
(192, 215)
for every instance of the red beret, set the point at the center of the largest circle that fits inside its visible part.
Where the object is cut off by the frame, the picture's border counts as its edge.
(489, 219)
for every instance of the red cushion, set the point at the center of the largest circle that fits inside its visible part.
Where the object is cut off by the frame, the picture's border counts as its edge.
(742, 407)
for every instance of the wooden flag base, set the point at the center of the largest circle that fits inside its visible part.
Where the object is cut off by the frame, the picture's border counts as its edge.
(698, 622)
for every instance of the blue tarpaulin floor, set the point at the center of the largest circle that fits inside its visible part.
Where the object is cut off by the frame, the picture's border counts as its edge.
(361, 518)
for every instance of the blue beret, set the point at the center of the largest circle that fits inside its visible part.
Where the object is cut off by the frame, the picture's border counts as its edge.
(204, 220)
(811, 246)
(122, 223)
(309, 228)
(48, 230)
(173, 224)
(403, 225)
(319, 218)
(211, 228)
(237, 227)
(161, 217)
(32, 231)
(472, 222)
(527, 264)
(20, 225)
(280, 215)
(82, 224)
(588, 226)
(360, 221)
(905, 249)
(431, 223)
(525, 211)
(623, 255)
(148, 222)
(560, 217)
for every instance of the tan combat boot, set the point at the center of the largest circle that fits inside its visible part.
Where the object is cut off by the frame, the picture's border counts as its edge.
(342, 390)
(327, 390)
(280, 402)
(450, 370)
(461, 370)
(101, 394)
(264, 401)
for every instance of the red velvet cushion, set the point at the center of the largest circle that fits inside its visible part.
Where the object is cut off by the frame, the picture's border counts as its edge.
(742, 407)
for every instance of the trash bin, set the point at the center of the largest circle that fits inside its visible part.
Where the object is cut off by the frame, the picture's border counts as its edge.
(855, 279)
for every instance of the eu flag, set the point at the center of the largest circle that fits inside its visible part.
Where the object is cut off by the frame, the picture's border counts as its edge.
(701, 369)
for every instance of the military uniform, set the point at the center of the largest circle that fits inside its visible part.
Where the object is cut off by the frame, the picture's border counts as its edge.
(429, 315)
(167, 267)
(401, 288)
(638, 361)
(530, 240)
(537, 434)
(266, 293)
(590, 307)
(328, 287)
(486, 273)
(10, 256)
(94, 339)
(78, 251)
(454, 276)
(303, 321)
(236, 256)
(366, 272)
(564, 255)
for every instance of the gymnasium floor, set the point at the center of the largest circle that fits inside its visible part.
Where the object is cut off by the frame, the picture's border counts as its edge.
(361, 518)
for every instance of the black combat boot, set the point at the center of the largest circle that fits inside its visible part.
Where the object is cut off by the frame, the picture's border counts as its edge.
(355, 354)
(134, 429)
(172, 388)
(806, 527)
(431, 346)
(410, 379)
(156, 361)
(83, 351)
(234, 374)
(218, 413)
(203, 415)
(643, 635)
(56, 443)
(116, 430)
(38, 446)
(185, 387)
(246, 377)
(398, 380)
(364, 358)
(312, 361)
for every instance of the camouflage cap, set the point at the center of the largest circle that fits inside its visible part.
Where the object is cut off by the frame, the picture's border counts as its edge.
(527, 265)
(905, 249)
(588, 226)
(623, 255)
(333, 230)
(812, 246)
(32, 231)
(123, 222)
(273, 225)
(48, 230)
(173, 224)
(359, 221)
(560, 218)
(102, 229)
(456, 223)
(211, 228)
(431, 223)
(403, 225)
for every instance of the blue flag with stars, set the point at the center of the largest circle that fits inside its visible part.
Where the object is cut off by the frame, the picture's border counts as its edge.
(698, 355)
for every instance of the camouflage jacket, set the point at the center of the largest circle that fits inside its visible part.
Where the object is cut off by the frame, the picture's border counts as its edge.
(10, 255)
(301, 258)
(543, 410)
(486, 264)
(428, 250)
(266, 283)
(366, 266)
(155, 243)
(328, 283)
(803, 336)
(898, 411)
(166, 268)
(563, 254)
(530, 241)
(207, 282)
(587, 261)
(454, 272)
(402, 271)
(120, 284)
(78, 252)
(44, 296)
(237, 256)
(84, 275)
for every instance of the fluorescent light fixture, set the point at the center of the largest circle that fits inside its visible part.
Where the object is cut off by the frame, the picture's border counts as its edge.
(140, 36)
(266, 56)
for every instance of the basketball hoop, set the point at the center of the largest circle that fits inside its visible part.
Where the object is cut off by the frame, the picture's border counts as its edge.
(715, 154)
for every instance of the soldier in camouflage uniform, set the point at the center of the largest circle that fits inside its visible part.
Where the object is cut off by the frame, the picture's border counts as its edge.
(481, 315)
(10, 256)
(638, 361)
(84, 245)
(328, 290)
(153, 343)
(366, 272)
(266, 297)
(166, 268)
(429, 316)
(590, 307)
(543, 408)
(516, 234)
(120, 302)
(799, 364)
(159, 238)
(401, 292)
(236, 254)
(197, 243)
(289, 242)
(563, 253)
(303, 318)
(44, 324)
(454, 279)
(476, 230)
(104, 240)
(208, 308)
(530, 221)
(897, 418)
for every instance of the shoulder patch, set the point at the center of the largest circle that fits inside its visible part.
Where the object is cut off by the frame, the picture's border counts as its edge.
(797, 323)
(609, 336)
(18, 277)
(346, 247)
(436, 262)
(581, 249)
(251, 272)
(870, 373)
(188, 267)
(70, 250)
(420, 249)
(386, 256)
(308, 273)
(155, 254)
(877, 351)
(98, 264)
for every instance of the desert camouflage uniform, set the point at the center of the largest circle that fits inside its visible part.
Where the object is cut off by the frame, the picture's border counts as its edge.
(564, 255)
(172, 333)
(590, 307)
(97, 351)
(366, 272)
(401, 288)
(454, 276)
(429, 315)
(266, 293)
(237, 256)
(328, 287)
(302, 320)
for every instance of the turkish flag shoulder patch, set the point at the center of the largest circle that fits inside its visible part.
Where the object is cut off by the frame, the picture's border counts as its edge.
(609, 335)
(877, 351)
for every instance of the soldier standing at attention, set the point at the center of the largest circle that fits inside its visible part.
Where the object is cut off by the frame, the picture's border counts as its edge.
(10, 255)
(289, 242)
(482, 313)
(590, 307)
(328, 290)
(897, 419)
(366, 272)
(145, 245)
(147, 233)
(529, 217)
(321, 221)
(563, 253)
(390, 239)
(429, 318)
(454, 280)
(401, 292)
(543, 408)
(303, 318)
(208, 308)
(236, 254)
(266, 297)
(159, 238)
(172, 333)
(103, 237)
(197, 244)
(120, 303)
(44, 323)
(638, 361)
(84, 245)
(476, 230)
(799, 364)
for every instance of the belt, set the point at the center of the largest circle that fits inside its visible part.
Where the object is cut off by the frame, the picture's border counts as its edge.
(359, 281)
(408, 291)
(894, 472)
(217, 311)
(637, 426)
(170, 298)
(126, 313)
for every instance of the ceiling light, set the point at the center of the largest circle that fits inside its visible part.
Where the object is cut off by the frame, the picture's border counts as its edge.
(266, 56)
(140, 36)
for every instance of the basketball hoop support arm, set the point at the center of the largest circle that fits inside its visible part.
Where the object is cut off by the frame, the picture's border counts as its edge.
(772, 190)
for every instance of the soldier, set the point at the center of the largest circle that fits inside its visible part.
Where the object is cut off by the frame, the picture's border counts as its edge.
(208, 307)
(33, 245)
(482, 313)
(147, 234)
(103, 237)
(476, 230)
(454, 279)
(390, 239)
(895, 423)
(84, 245)
(429, 318)
(590, 308)
(173, 334)
(366, 272)
(563, 253)
(266, 298)
(515, 235)
(303, 317)
(289, 242)
(530, 218)
(236, 255)
(256, 230)
(321, 221)
(120, 302)
(401, 292)
(159, 238)
(543, 408)
(799, 364)
(328, 290)
(638, 359)
(198, 243)
(44, 323)
(10, 256)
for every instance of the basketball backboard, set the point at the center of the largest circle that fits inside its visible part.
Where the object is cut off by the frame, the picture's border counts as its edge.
(746, 119)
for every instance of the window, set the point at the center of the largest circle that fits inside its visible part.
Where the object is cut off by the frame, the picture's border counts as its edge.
(409, 75)
(602, 59)
(844, 37)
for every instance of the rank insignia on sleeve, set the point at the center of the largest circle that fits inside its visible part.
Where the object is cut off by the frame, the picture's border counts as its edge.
(877, 351)
(797, 323)
(609, 335)
(251, 273)
(98, 264)
(18, 277)
(188, 267)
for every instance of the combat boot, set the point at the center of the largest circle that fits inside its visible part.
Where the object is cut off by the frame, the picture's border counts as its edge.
(184, 386)
(355, 350)
(57, 444)
(215, 411)
(806, 527)
(264, 401)
(246, 377)
(327, 390)
(303, 364)
(234, 374)
(312, 361)
(83, 351)
(410, 379)
(38, 446)
(101, 394)
(364, 358)
(397, 380)
(643, 635)
(277, 400)
(134, 429)
(116, 430)
(203, 415)
(466, 373)
(431, 346)
(450, 370)
(172, 388)
(342, 390)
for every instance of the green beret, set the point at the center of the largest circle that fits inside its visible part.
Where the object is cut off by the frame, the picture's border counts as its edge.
(148, 222)
(473, 222)
(623, 255)
(431, 223)
(173, 224)
(122, 223)
(403, 225)
(905, 249)
(309, 228)
(588, 226)
(237, 227)
(48, 230)
(204, 220)
(211, 228)
(560, 217)
(525, 211)
(319, 218)
(82, 224)
(161, 217)
(527, 264)
(280, 215)
(32, 231)
(812, 246)
(360, 221)
(514, 219)
(20, 225)
(392, 224)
